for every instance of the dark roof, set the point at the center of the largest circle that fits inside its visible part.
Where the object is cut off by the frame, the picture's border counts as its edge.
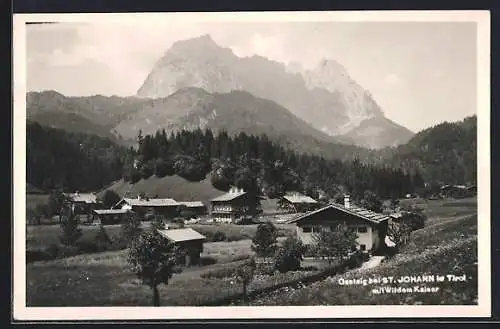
(180, 235)
(229, 196)
(359, 212)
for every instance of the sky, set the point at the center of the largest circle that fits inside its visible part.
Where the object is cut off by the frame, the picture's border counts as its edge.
(420, 73)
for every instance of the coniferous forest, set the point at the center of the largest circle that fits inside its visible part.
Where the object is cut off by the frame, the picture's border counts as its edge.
(84, 162)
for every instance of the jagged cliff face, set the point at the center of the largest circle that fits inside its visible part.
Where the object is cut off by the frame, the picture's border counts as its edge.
(325, 97)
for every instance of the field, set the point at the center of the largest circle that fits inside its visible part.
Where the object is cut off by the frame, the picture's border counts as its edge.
(42, 236)
(174, 187)
(446, 245)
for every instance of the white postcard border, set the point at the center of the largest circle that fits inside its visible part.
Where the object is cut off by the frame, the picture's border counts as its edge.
(483, 309)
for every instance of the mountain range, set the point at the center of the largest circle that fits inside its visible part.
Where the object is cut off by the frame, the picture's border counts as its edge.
(325, 97)
(188, 108)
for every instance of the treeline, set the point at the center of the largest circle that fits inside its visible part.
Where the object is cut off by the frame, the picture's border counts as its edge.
(259, 165)
(57, 159)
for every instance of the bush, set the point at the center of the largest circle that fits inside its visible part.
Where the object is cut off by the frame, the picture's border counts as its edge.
(221, 273)
(355, 260)
(218, 236)
(204, 261)
(265, 242)
(289, 255)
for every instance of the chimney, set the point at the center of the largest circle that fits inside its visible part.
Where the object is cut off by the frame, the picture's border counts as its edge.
(347, 201)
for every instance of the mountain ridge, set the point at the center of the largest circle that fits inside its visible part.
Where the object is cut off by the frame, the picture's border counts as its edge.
(335, 108)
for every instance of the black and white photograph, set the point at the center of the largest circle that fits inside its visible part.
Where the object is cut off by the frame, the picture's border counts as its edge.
(224, 165)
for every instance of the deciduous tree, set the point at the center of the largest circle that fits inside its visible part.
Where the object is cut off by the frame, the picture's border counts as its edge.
(154, 260)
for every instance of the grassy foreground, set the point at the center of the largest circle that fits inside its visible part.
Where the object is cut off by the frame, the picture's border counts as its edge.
(449, 247)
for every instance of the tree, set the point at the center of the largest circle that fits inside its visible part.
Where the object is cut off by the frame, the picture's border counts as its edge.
(110, 198)
(70, 230)
(154, 260)
(371, 202)
(265, 241)
(131, 227)
(158, 222)
(56, 203)
(289, 255)
(244, 275)
(102, 239)
(335, 244)
(399, 233)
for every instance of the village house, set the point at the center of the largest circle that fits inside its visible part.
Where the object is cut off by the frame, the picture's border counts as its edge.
(197, 207)
(82, 203)
(110, 216)
(370, 227)
(169, 208)
(232, 206)
(296, 202)
(189, 241)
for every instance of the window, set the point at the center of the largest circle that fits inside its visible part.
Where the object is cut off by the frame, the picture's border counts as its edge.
(307, 229)
(362, 229)
(362, 247)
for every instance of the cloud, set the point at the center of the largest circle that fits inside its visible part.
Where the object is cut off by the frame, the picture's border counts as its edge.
(392, 79)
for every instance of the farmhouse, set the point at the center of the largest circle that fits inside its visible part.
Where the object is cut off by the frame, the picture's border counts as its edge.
(189, 241)
(197, 207)
(166, 207)
(296, 202)
(82, 203)
(230, 207)
(371, 227)
(110, 216)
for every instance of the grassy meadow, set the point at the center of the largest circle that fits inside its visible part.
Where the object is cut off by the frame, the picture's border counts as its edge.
(448, 244)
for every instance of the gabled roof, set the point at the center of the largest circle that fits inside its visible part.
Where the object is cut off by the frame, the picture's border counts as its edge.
(150, 202)
(83, 197)
(192, 204)
(229, 196)
(299, 198)
(111, 211)
(180, 235)
(359, 212)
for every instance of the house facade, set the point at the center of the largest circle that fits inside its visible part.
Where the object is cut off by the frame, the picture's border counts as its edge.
(296, 202)
(232, 206)
(197, 207)
(189, 241)
(169, 208)
(110, 216)
(370, 227)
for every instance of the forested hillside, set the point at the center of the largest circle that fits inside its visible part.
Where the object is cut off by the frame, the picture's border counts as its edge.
(72, 161)
(260, 165)
(445, 153)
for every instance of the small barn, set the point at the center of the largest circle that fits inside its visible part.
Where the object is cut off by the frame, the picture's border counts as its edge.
(82, 203)
(370, 227)
(295, 202)
(165, 207)
(110, 216)
(197, 207)
(188, 240)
